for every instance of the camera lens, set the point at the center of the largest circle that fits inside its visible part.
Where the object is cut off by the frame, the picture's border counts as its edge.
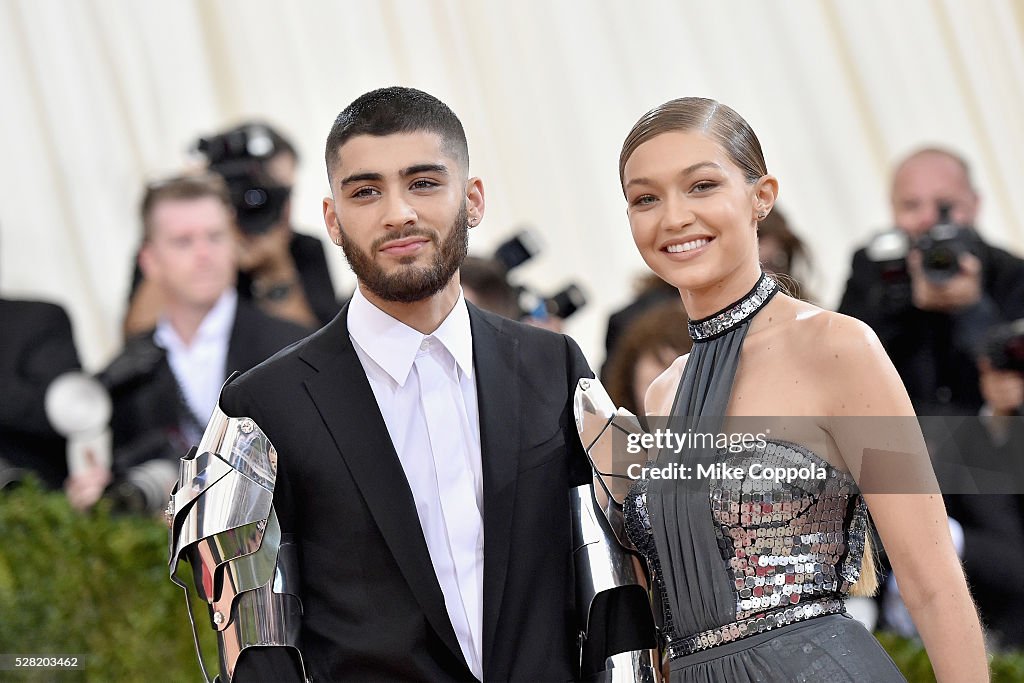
(940, 259)
(255, 197)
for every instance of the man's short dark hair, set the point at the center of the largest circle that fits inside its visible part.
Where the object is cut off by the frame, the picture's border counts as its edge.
(398, 110)
(183, 187)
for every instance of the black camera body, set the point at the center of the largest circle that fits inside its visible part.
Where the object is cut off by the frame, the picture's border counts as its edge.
(942, 247)
(1004, 346)
(521, 248)
(239, 156)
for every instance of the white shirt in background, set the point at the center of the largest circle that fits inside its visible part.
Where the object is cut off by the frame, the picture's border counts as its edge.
(201, 367)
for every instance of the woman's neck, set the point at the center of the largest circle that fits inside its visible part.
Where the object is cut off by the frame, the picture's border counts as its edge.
(706, 301)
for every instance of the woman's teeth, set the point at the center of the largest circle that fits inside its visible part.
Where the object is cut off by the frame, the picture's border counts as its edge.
(686, 246)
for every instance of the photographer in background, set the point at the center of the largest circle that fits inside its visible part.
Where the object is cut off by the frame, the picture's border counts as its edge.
(284, 272)
(993, 523)
(931, 287)
(486, 283)
(165, 383)
(978, 462)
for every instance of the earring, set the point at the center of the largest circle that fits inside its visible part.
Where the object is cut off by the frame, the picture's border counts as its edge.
(761, 216)
(472, 222)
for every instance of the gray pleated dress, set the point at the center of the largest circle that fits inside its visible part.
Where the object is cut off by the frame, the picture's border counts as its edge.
(752, 574)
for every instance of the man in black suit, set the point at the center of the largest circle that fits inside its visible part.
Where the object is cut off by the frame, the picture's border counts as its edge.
(165, 383)
(931, 329)
(36, 346)
(426, 448)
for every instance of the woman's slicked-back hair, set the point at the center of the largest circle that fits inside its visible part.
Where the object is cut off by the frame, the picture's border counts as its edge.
(702, 115)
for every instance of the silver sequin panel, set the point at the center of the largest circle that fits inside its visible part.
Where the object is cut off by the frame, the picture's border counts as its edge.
(782, 543)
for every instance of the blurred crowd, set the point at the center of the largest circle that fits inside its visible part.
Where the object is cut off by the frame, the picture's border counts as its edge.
(223, 281)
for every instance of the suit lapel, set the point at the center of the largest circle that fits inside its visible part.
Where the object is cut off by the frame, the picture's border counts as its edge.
(496, 362)
(348, 407)
(237, 359)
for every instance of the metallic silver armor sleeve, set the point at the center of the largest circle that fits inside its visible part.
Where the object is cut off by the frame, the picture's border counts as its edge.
(225, 530)
(610, 576)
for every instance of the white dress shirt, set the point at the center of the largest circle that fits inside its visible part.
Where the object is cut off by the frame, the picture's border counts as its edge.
(200, 367)
(426, 391)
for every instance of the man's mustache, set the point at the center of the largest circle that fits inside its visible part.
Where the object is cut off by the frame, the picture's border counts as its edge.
(409, 232)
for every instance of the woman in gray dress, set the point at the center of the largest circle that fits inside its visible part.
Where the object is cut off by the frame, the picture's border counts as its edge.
(753, 574)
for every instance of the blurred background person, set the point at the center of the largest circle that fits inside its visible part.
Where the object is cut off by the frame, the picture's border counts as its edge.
(650, 290)
(36, 346)
(485, 284)
(783, 254)
(992, 448)
(653, 340)
(979, 465)
(283, 271)
(931, 287)
(165, 383)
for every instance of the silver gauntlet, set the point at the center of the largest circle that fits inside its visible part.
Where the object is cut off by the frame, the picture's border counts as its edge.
(224, 527)
(618, 640)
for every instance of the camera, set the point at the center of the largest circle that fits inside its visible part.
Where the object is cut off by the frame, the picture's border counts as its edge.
(239, 156)
(521, 248)
(1004, 346)
(942, 246)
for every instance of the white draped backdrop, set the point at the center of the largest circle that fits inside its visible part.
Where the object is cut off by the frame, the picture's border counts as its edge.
(100, 95)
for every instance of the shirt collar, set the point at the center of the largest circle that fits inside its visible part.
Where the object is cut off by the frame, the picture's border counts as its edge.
(216, 324)
(393, 345)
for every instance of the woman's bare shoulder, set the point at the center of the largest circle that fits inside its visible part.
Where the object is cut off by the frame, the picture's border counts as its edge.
(846, 355)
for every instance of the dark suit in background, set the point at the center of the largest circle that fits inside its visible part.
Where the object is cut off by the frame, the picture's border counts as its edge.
(36, 346)
(372, 605)
(148, 407)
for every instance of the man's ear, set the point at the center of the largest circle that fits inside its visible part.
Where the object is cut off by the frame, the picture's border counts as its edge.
(474, 201)
(331, 220)
(147, 261)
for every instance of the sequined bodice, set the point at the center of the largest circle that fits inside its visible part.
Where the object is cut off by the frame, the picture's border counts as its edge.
(783, 544)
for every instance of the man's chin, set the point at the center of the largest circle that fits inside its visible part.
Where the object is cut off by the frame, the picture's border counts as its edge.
(204, 299)
(408, 292)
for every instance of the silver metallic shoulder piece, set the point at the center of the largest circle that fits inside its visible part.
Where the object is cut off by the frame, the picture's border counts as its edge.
(618, 640)
(225, 530)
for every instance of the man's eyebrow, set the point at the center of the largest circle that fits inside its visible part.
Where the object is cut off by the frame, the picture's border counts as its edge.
(686, 171)
(360, 177)
(416, 169)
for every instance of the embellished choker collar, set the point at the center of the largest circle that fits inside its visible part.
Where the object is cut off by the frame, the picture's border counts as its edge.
(735, 314)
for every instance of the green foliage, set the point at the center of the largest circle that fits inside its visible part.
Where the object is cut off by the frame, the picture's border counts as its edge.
(912, 660)
(97, 586)
(94, 585)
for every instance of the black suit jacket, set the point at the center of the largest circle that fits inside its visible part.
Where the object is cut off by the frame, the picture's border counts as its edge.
(373, 608)
(147, 405)
(36, 346)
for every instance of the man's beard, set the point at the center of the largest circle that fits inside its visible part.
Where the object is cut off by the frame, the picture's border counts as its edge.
(410, 283)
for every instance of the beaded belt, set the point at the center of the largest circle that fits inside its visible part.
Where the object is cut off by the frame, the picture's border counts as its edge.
(748, 627)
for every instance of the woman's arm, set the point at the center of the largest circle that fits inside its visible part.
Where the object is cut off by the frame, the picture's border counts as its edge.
(872, 422)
